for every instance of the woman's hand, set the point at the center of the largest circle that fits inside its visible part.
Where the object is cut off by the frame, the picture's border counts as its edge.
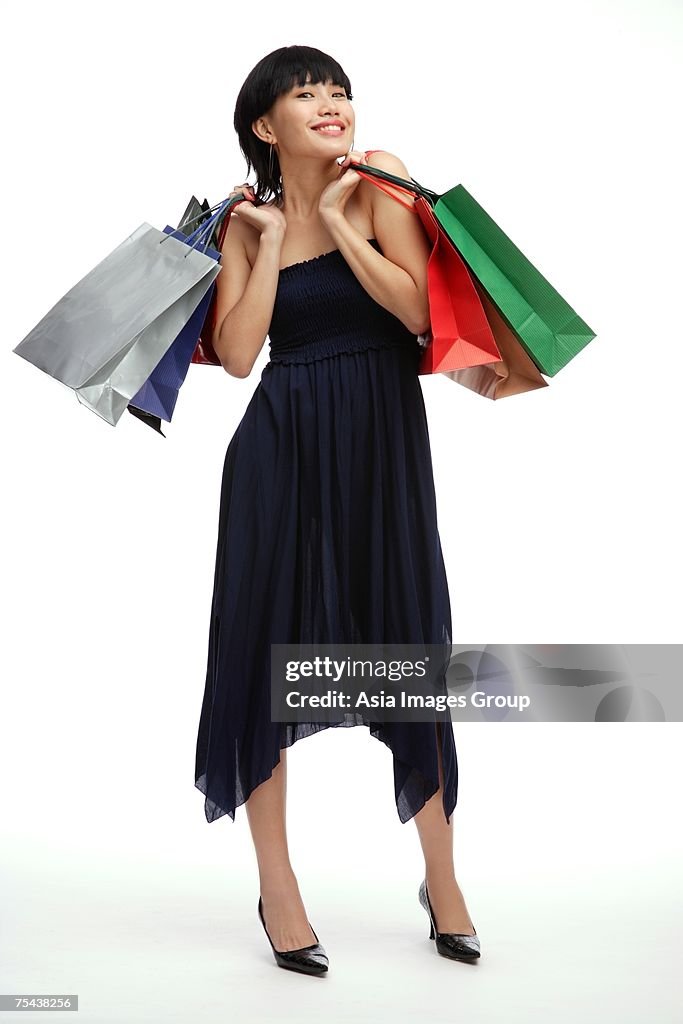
(334, 196)
(263, 217)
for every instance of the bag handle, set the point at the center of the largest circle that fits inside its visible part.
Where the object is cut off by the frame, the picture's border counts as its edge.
(223, 214)
(411, 186)
(205, 229)
(378, 183)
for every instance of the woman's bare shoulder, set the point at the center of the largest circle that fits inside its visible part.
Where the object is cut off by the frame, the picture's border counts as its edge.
(392, 164)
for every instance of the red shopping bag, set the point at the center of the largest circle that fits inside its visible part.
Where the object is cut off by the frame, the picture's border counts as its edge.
(460, 334)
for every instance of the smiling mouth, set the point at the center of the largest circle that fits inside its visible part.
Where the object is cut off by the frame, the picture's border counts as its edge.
(332, 130)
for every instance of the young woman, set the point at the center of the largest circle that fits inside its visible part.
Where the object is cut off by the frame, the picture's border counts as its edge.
(327, 525)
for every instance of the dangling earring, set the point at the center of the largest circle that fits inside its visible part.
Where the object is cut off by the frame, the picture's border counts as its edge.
(278, 192)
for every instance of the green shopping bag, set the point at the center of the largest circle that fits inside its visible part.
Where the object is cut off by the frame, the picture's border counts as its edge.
(545, 324)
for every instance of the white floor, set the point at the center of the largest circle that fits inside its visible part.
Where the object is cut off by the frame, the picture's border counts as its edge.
(568, 851)
(142, 945)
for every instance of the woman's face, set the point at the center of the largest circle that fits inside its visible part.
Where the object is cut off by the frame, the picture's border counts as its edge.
(296, 114)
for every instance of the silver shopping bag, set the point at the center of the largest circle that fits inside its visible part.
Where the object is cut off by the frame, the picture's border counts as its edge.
(104, 338)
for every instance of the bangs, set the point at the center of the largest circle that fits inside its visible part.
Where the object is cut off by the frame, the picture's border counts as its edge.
(297, 71)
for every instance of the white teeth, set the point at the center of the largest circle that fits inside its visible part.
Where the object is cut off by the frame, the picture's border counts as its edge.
(330, 128)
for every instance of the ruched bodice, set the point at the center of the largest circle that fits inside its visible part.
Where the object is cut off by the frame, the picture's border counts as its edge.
(321, 309)
(327, 533)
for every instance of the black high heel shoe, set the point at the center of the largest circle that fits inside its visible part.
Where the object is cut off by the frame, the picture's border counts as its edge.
(451, 944)
(309, 959)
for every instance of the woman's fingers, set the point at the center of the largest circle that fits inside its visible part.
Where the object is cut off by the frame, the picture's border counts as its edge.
(245, 189)
(356, 156)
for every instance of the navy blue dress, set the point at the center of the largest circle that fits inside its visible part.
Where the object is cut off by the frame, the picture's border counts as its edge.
(327, 533)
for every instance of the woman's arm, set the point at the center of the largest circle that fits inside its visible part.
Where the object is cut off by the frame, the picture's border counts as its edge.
(245, 295)
(396, 278)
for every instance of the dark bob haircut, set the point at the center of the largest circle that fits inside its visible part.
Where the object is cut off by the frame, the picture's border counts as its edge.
(274, 75)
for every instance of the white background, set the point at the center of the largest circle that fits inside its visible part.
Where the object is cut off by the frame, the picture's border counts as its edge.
(559, 516)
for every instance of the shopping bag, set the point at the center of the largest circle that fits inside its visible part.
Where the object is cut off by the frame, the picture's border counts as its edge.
(199, 213)
(514, 373)
(104, 337)
(158, 395)
(551, 331)
(460, 334)
(204, 351)
(544, 323)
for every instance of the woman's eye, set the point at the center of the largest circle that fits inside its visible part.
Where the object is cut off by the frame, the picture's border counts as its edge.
(310, 94)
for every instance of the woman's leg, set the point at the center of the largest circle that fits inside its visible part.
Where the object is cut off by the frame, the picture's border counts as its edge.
(283, 908)
(436, 838)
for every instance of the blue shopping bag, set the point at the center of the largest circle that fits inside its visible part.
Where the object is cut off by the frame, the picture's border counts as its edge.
(156, 399)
